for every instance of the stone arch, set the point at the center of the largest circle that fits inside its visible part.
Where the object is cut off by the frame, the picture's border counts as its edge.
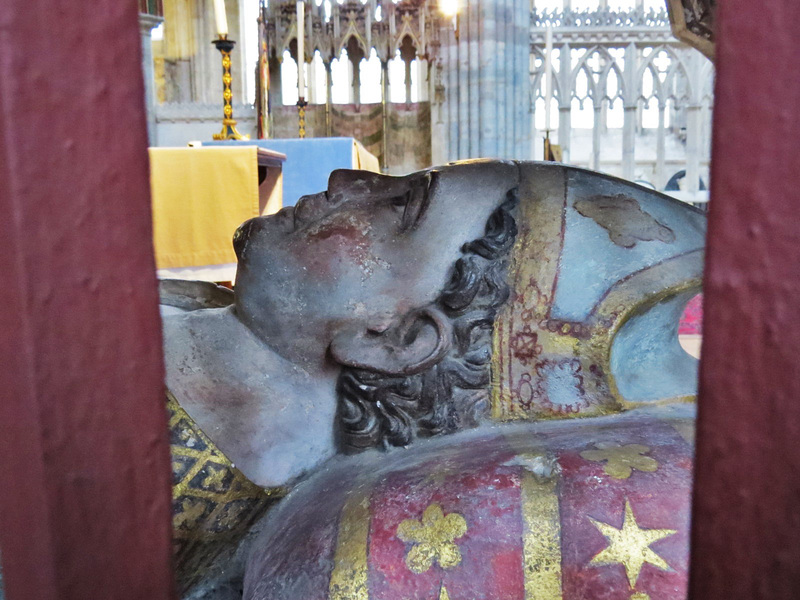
(582, 66)
(537, 74)
(612, 66)
(661, 89)
(406, 31)
(597, 84)
(707, 82)
(353, 43)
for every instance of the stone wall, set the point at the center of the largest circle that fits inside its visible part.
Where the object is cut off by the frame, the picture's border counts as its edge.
(188, 68)
(178, 123)
(408, 138)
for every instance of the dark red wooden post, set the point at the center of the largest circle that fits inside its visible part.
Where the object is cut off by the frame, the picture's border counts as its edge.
(746, 539)
(84, 462)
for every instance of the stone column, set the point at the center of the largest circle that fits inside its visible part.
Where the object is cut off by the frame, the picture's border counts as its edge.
(629, 142)
(423, 73)
(350, 76)
(660, 181)
(385, 114)
(146, 25)
(532, 107)
(486, 73)
(629, 124)
(356, 82)
(438, 130)
(564, 128)
(275, 83)
(707, 132)
(407, 80)
(565, 100)
(450, 107)
(312, 93)
(596, 131)
(693, 147)
(180, 50)
(328, 99)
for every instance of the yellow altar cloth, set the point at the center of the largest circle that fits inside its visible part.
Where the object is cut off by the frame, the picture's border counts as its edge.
(199, 197)
(364, 159)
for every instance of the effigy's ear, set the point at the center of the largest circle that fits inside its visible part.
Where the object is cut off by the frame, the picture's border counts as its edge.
(409, 346)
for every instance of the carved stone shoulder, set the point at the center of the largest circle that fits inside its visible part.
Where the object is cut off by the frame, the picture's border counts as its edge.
(193, 295)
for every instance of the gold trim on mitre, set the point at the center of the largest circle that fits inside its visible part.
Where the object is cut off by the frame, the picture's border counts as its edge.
(527, 341)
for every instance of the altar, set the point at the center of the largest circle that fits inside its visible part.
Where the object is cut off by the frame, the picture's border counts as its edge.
(309, 161)
(200, 196)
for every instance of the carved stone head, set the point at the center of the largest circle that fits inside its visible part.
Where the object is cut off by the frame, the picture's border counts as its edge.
(510, 289)
(359, 256)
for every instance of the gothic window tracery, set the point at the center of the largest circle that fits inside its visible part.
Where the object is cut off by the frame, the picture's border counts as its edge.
(627, 72)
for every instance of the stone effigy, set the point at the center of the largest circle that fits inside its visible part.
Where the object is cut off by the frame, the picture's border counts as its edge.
(488, 300)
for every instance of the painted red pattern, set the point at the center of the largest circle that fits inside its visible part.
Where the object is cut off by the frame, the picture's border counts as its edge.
(692, 318)
(659, 500)
(487, 494)
(489, 501)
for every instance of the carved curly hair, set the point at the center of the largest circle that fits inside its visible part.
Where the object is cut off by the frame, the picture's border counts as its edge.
(379, 410)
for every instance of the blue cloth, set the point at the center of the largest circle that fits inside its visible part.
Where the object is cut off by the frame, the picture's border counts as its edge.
(309, 162)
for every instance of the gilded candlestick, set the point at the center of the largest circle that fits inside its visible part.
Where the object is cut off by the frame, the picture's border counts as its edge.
(301, 116)
(229, 131)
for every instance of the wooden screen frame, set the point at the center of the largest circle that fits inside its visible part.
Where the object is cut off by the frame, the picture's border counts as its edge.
(85, 479)
(746, 513)
(84, 475)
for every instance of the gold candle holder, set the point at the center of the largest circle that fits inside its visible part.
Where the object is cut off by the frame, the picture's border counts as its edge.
(301, 116)
(229, 131)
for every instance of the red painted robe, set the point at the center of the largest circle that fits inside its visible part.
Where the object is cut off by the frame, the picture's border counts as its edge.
(596, 509)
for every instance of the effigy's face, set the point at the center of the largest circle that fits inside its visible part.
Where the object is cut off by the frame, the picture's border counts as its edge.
(367, 250)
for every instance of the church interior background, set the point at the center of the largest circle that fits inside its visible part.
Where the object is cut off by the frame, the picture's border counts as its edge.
(420, 83)
(416, 83)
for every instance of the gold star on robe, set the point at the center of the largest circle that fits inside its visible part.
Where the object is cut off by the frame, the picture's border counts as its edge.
(630, 546)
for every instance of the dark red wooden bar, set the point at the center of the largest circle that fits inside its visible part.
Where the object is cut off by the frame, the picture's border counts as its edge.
(746, 533)
(84, 464)
(84, 461)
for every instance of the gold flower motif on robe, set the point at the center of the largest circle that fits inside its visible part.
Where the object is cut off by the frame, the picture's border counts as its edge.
(622, 460)
(432, 538)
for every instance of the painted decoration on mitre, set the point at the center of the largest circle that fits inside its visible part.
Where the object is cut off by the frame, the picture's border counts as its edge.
(600, 273)
(692, 23)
